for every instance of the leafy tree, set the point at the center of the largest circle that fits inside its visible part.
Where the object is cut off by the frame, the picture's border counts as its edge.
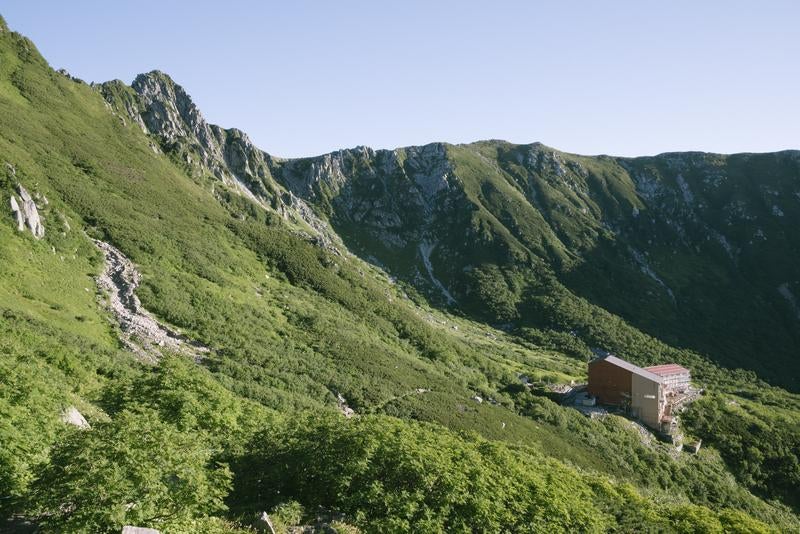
(136, 470)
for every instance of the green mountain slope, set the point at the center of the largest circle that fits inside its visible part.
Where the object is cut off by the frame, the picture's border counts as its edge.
(284, 270)
(696, 249)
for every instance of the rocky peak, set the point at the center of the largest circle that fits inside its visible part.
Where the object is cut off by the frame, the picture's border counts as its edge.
(168, 111)
(164, 109)
(243, 159)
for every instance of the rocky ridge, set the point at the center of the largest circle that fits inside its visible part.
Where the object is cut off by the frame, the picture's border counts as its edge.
(465, 223)
(163, 109)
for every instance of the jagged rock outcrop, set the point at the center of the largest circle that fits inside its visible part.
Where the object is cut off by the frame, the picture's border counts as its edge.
(169, 112)
(163, 109)
(31, 213)
(25, 213)
(16, 211)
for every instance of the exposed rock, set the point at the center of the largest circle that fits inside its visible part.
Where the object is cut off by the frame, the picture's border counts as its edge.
(164, 109)
(139, 530)
(646, 269)
(264, 523)
(688, 197)
(343, 407)
(425, 250)
(140, 331)
(72, 416)
(17, 212)
(694, 447)
(429, 168)
(299, 210)
(26, 214)
(170, 113)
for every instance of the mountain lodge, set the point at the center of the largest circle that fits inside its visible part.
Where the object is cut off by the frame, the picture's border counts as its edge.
(649, 394)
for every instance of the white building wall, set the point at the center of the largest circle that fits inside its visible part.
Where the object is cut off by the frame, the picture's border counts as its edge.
(647, 400)
(677, 382)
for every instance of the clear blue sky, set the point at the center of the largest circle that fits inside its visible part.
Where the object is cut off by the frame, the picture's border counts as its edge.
(303, 78)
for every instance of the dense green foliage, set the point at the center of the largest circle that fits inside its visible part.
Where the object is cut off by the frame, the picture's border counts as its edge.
(131, 470)
(759, 440)
(189, 447)
(390, 476)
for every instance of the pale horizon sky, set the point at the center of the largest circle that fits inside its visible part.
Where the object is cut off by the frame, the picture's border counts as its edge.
(303, 78)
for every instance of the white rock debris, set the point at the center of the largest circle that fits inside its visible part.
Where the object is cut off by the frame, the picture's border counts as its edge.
(17, 212)
(141, 332)
(644, 266)
(425, 250)
(787, 294)
(346, 410)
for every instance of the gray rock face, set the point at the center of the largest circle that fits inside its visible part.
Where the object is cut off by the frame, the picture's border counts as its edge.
(163, 108)
(26, 214)
(169, 112)
(17, 212)
(72, 416)
(430, 169)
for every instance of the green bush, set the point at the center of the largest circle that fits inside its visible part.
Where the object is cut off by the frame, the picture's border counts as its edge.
(135, 470)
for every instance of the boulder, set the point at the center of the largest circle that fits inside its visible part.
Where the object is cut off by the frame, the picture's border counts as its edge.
(127, 529)
(27, 212)
(72, 416)
(17, 212)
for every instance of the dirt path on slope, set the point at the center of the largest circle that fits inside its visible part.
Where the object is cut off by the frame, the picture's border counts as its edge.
(140, 331)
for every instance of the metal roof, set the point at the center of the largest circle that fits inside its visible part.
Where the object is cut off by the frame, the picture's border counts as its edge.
(668, 369)
(635, 369)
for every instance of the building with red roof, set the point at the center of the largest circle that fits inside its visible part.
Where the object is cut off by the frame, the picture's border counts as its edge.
(646, 393)
(674, 377)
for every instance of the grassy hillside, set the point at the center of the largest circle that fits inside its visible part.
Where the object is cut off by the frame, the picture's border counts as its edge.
(187, 447)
